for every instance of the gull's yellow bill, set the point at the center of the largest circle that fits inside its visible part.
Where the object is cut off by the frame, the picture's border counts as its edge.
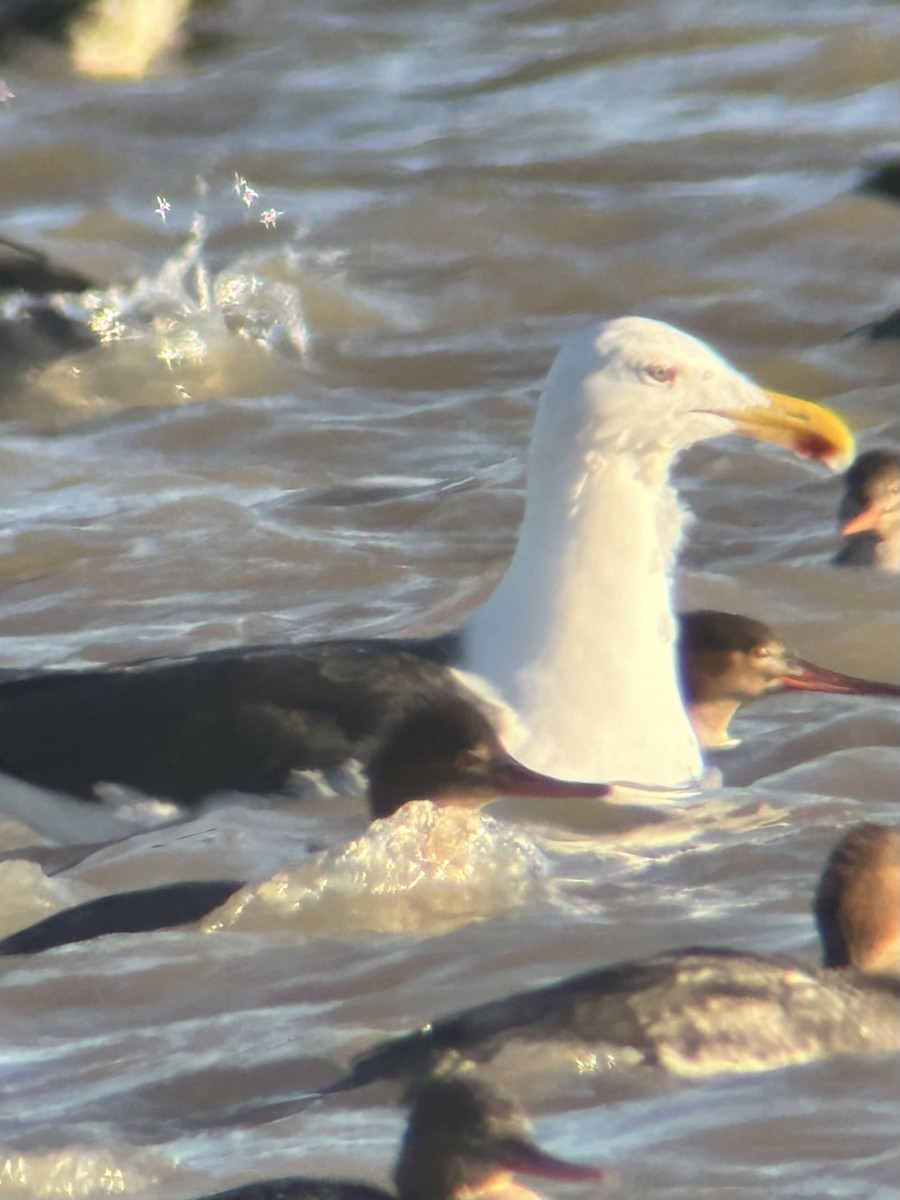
(810, 430)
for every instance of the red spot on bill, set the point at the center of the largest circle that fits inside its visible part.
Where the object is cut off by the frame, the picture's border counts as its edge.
(813, 445)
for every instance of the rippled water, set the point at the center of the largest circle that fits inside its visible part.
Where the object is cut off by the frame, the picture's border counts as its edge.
(318, 427)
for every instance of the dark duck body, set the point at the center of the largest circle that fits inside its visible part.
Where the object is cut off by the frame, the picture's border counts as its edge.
(445, 751)
(25, 269)
(141, 911)
(700, 1012)
(39, 331)
(230, 720)
(882, 178)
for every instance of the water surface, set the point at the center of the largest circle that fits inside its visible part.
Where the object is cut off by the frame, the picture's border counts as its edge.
(317, 427)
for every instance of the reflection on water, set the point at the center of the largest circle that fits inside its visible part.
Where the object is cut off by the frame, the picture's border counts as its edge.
(314, 423)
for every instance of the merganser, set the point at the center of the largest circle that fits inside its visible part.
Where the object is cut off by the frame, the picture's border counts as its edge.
(728, 661)
(464, 1140)
(869, 512)
(701, 1012)
(447, 753)
(882, 177)
(140, 911)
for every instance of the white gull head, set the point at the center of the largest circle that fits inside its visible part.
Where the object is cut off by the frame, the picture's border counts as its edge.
(578, 640)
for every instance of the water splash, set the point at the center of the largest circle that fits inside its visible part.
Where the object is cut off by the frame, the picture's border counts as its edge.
(425, 870)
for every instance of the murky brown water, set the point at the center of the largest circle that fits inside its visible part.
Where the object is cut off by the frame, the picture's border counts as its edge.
(318, 428)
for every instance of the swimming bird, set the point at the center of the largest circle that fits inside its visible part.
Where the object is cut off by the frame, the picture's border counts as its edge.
(38, 332)
(140, 911)
(23, 268)
(727, 661)
(882, 177)
(561, 675)
(701, 1012)
(869, 512)
(447, 753)
(464, 1140)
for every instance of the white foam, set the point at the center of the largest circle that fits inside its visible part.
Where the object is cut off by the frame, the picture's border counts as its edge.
(424, 869)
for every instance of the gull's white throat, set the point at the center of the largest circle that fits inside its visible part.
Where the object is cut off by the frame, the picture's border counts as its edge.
(578, 639)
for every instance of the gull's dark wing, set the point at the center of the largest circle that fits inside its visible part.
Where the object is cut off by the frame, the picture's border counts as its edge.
(230, 720)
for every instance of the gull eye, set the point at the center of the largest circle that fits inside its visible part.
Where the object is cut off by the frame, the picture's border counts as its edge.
(761, 652)
(659, 372)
